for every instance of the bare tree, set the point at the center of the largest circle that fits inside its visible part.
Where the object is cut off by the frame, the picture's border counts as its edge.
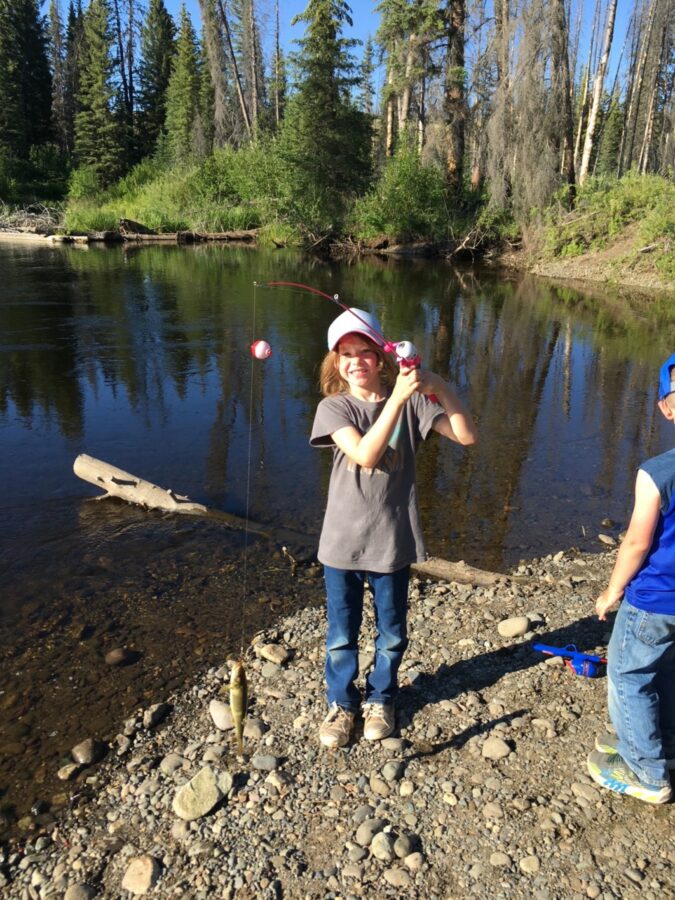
(455, 92)
(235, 68)
(597, 93)
(636, 83)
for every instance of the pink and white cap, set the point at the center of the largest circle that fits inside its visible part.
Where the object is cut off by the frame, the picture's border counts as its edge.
(355, 321)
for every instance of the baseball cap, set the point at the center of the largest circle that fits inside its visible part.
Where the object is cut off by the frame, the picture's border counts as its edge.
(666, 378)
(355, 321)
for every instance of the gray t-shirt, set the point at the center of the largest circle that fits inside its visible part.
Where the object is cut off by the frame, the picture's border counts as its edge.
(372, 520)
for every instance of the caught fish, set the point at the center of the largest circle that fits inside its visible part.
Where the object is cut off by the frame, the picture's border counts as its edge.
(238, 688)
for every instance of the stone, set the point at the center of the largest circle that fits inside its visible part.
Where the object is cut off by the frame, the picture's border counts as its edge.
(154, 714)
(198, 797)
(141, 875)
(398, 877)
(495, 748)
(275, 653)
(607, 539)
(69, 771)
(265, 762)
(221, 715)
(88, 751)
(79, 892)
(367, 831)
(529, 865)
(516, 626)
(500, 860)
(121, 656)
(382, 846)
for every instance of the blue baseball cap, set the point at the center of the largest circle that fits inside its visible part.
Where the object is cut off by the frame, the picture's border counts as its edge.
(667, 378)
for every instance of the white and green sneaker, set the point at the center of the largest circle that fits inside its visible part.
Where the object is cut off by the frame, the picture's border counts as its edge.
(609, 743)
(610, 771)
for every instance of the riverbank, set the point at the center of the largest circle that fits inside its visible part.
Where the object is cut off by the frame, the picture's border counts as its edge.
(483, 789)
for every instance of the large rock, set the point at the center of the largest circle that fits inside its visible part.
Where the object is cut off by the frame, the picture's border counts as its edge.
(517, 626)
(89, 751)
(141, 875)
(221, 714)
(198, 797)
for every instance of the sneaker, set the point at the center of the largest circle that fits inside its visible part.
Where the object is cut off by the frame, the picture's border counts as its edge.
(610, 771)
(336, 727)
(609, 743)
(378, 721)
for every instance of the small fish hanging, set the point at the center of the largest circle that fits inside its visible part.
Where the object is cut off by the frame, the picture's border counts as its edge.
(261, 350)
(238, 689)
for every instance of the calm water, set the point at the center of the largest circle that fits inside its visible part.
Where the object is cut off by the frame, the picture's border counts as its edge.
(140, 357)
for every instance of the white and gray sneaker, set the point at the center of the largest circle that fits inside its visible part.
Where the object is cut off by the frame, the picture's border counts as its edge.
(378, 720)
(336, 728)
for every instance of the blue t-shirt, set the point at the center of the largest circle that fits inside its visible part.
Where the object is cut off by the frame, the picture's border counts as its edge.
(653, 588)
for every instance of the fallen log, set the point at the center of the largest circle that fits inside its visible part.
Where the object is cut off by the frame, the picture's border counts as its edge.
(459, 572)
(118, 483)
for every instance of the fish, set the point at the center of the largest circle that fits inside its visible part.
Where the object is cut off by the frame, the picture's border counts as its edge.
(238, 688)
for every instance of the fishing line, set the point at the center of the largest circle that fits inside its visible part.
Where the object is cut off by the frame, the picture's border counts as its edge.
(247, 506)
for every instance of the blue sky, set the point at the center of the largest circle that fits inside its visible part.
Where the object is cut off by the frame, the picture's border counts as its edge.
(366, 21)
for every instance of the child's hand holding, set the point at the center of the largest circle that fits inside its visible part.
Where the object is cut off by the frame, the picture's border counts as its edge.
(605, 602)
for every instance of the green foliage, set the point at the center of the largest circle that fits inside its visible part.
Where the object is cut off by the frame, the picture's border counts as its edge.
(42, 176)
(325, 140)
(157, 51)
(605, 207)
(98, 136)
(84, 183)
(183, 92)
(408, 202)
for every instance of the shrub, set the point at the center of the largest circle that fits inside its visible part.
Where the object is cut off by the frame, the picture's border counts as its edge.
(408, 202)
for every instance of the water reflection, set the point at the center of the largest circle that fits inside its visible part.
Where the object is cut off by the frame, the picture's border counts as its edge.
(140, 356)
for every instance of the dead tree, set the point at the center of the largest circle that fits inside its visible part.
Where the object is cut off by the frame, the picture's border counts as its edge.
(597, 93)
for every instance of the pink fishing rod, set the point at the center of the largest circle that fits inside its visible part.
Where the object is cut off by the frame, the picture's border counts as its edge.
(405, 351)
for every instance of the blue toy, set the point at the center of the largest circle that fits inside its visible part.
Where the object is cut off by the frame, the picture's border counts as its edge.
(580, 663)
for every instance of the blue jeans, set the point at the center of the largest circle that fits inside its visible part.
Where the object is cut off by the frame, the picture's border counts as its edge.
(344, 594)
(641, 691)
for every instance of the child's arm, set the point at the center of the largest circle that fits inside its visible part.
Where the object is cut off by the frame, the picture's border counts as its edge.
(457, 424)
(635, 545)
(366, 449)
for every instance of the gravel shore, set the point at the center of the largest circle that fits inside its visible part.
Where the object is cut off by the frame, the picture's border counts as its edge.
(482, 791)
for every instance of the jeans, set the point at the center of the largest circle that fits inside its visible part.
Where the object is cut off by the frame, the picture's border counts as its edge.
(344, 594)
(641, 691)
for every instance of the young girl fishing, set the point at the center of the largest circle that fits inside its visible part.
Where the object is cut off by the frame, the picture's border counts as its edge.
(373, 416)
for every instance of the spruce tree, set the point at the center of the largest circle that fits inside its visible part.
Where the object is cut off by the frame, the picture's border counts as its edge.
(158, 49)
(325, 140)
(25, 79)
(183, 92)
(98, 136)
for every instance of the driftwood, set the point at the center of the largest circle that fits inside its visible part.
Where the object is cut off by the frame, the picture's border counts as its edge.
(459, 572)
(129, 228)
(117, 483)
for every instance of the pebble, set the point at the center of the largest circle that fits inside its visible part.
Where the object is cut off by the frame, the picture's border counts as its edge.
(495, 748)
(423, 813)
(120, 656)
(516, 626)
(141, 875)
(274, 653)
(198, 797)
(88, 751)
(80, 892)
(155, 714)
(221, 715)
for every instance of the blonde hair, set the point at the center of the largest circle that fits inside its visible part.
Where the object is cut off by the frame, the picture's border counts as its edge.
(331, 382)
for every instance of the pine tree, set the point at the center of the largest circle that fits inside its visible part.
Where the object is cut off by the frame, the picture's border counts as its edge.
(73, 61)
(183, 92)
(98, 143)
(25, 79)
(325, 140)
(59, 78)
(367, 91)
(158, 49)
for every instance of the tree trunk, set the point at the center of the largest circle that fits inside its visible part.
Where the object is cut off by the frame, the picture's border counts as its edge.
(421, 108)
(643, 163)
(455, 101)
(389, 132)
(562, 68)
(235, 69)
(404, 103)
(255, 69)
(277, 67)
(626, 158)
(597, 93)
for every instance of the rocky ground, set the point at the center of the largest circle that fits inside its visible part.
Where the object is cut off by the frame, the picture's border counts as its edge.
(482, 791)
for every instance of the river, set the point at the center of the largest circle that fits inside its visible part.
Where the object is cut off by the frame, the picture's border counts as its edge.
(140, 356)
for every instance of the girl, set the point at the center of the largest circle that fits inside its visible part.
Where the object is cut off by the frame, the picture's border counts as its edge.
(373, 417)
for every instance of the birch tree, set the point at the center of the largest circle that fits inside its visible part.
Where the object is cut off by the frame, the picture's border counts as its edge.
(598, 85)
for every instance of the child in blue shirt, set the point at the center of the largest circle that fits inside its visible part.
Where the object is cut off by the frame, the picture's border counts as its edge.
(641, 654)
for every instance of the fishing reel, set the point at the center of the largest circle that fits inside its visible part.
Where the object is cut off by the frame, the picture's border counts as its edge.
(406, 354)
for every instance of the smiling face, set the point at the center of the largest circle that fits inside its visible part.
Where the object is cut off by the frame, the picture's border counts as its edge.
(358, 364)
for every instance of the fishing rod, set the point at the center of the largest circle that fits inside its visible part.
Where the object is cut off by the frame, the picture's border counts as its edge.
(405, 351)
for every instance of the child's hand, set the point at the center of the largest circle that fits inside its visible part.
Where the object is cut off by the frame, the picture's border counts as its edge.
(408, 382)
(605, 602)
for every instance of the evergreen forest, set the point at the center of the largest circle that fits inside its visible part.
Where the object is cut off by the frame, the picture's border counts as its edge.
(459, 121)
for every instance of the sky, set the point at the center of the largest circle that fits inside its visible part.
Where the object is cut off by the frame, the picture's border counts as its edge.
(366, 21)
